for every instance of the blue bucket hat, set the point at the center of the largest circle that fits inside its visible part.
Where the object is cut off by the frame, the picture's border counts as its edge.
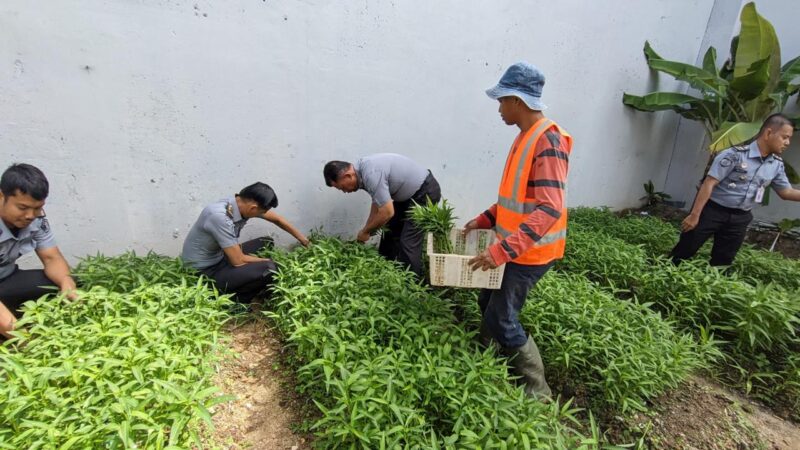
(522, 80)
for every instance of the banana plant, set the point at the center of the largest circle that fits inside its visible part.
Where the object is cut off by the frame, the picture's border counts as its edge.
(733, 100)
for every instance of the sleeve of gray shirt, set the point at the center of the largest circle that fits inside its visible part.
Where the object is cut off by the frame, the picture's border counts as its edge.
(781, 181)
(221, 227)
(377, 184)
(722, 165)
(43, 237)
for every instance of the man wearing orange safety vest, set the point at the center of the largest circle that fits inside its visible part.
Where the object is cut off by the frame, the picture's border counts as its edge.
(530, 219)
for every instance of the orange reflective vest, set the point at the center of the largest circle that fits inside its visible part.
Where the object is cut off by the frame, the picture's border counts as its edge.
(514, 206)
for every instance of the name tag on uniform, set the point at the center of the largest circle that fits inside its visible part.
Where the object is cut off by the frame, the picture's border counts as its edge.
(760, 194)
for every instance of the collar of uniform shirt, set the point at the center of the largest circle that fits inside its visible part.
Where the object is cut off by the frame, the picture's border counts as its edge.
(6, 233)
(237, 215)
(755, 153)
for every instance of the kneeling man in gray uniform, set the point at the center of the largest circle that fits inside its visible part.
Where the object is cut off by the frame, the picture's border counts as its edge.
(212, 245)
(24, 229)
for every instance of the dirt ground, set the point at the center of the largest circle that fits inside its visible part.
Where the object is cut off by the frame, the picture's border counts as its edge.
(703, 415)
(267, 410)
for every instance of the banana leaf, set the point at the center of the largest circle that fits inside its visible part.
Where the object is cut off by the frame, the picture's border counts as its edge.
(789, 72)
(758, 55)
(710, 60)
(699, 78)
(733, 133)
(753, 81)
(686, 105)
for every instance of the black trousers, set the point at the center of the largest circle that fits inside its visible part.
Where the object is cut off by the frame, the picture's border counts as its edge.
(247, 281)
(403, 242)
(727, 225)
(24, 285)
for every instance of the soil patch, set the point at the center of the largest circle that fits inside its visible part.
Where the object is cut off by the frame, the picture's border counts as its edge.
(703, 415)
(267, 411)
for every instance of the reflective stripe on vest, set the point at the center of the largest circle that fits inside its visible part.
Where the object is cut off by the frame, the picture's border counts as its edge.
(511, 202)
(548, 238)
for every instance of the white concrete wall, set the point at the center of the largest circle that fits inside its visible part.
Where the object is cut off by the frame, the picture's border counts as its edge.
(141, 112)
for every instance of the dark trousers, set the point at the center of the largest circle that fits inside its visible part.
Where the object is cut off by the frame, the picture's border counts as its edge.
(500, 307)
(727, 225)
(24, 285)
(247, 281)
(403, 242)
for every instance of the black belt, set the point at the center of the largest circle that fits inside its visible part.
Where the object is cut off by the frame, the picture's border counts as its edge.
(716, 205)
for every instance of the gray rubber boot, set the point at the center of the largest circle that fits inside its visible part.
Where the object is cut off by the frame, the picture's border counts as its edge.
(528, 365)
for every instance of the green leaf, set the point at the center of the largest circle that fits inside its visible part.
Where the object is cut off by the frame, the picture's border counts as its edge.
(757, 60)
(733, 133)
(697, 77)
(686, 105)
(710, 60)
(790, 71)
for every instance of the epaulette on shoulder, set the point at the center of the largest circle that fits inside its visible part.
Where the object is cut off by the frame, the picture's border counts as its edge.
(741, 148)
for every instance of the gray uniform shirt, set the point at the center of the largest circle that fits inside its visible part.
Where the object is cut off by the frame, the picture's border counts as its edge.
(35, 236)
(389, 176)
(741, 171)
(217, 227)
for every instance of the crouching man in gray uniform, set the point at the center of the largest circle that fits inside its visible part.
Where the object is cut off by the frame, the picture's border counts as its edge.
(394, 182)
(23, 229)
(212, 245)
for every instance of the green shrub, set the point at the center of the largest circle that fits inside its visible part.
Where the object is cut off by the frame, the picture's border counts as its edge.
(623, 352)
(768, 267)
(620, 352)
(388, 367)
(112, 370)
(601, 258)
(128, 271)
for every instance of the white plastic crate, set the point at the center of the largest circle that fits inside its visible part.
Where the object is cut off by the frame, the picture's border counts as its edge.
(454, 270)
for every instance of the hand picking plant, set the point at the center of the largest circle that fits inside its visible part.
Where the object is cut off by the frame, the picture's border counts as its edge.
(437, 219)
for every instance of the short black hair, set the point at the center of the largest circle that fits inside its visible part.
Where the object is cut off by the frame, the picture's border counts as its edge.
(25, 179)
(775, 122)
(333, 170)
(260, 193)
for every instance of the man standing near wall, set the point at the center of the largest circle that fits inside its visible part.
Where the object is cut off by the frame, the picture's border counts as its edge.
(24, 228)
(394, 182)
(736, 182)
(530, 218)
(212, 245)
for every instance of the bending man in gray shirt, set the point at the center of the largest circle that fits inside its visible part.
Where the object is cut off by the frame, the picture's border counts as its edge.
(394, 182)
(212, 245)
